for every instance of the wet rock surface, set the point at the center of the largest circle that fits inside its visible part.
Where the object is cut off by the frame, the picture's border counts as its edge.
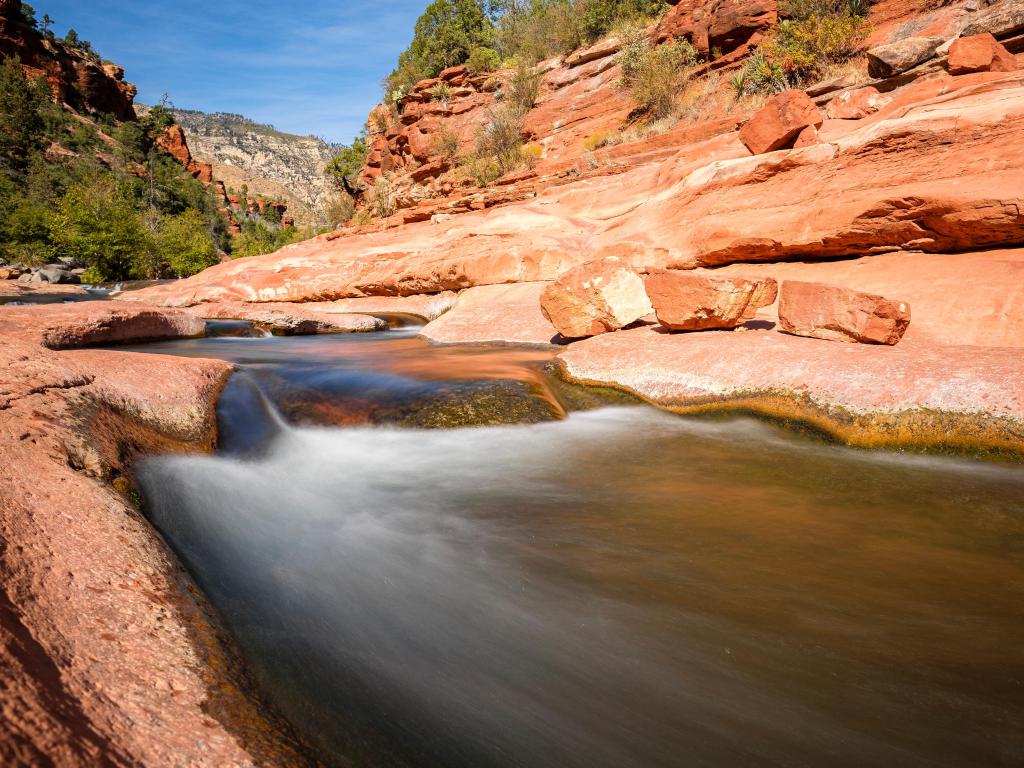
(109, 656)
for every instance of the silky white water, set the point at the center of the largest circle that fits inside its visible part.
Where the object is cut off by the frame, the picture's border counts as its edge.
(621, 588)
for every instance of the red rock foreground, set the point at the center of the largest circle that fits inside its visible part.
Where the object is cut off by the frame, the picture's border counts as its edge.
(905, 396)
(108, 655)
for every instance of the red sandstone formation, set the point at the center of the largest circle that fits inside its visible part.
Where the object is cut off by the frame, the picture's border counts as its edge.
(853, 105)
(108, 656)
(777, 124)
(684, 301)
(595, 297)
(81, 81)
(917, 192)
(717, 25)
(840, 314)
(980, 53)
(173, 142)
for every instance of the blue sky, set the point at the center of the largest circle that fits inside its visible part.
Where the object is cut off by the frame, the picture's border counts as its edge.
(305, 66)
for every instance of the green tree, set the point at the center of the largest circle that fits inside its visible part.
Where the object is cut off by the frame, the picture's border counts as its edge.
(258, 238)
(599, 16)
(445, 35)
(183, 242)
(22, 102)
(96, 222)
(345, 166)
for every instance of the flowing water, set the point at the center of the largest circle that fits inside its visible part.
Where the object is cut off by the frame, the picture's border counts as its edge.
(619, 587)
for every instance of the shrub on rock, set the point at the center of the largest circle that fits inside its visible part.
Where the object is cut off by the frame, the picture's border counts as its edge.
(684, 301)
(840, 314)
(599, 296)
(777, 124)
(980, 53)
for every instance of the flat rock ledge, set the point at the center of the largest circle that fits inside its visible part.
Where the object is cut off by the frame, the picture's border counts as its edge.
(922, 397)
(108, 653)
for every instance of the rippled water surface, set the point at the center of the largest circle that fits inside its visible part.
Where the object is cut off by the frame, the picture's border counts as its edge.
(621, 587)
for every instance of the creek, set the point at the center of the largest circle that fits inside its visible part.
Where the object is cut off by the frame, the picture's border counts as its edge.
(443, 556)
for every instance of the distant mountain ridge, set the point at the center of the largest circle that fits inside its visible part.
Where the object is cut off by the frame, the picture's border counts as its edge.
(268, 161)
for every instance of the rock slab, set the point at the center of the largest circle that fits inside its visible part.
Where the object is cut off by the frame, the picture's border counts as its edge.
(979, 53)
(840, 314)
(777, 124)
(597, 296)
(894, 58)
(684, 301)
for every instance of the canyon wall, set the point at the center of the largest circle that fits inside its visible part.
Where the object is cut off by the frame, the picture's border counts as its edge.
(278, 165)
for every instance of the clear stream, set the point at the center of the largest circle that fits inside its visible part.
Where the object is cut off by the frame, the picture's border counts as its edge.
(606, 586)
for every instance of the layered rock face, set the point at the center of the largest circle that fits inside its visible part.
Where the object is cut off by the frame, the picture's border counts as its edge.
(82, 81)
(278, 165)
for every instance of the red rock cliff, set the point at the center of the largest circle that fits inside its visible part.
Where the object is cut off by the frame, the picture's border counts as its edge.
(77, 79)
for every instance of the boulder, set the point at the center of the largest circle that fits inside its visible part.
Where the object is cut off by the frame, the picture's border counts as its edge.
(716, 25)
(777, 124)
(595, 297)
(853, 105)
(979, 53)
(893, 58)
(685, 301)
(840, 314)
(1002, 20)
(806, 138)
(54, 273)
(9, 273)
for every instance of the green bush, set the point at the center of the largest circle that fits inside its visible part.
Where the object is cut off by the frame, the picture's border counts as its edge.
(441, 93)
(446, 144)
(445, 35)
(345, 166)
(183, 242)
(257, 238)
(599, 16)
(483, 59)
(523, 89)
(96, 222)
(537, 29)
(799, 51)
(653, 74)
(382, 198)
(500, 138)
(22, 103)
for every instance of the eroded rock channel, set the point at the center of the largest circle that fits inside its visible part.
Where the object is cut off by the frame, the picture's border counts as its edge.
(443, 556)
